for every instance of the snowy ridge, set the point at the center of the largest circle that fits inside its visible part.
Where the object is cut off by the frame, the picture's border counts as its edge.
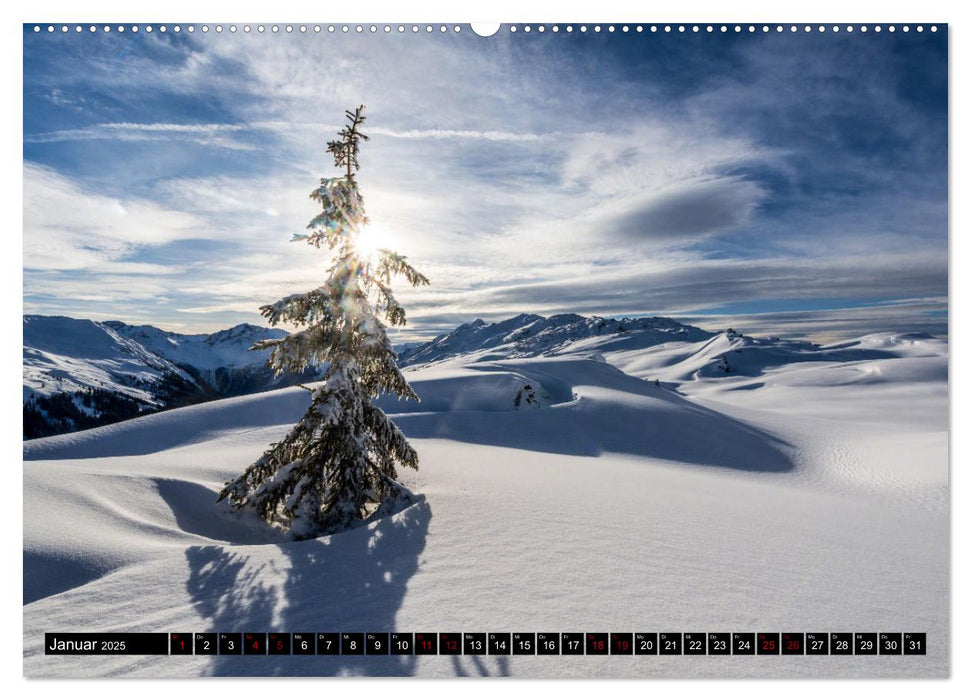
(78, 373)
(735, 357)
(529, 335)
(226, 348)
(67, 355)
(662, 348)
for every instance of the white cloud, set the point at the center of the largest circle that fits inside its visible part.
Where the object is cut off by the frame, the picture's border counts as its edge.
(241, 307)
(101, 289)
(652, 154)
(67, 226)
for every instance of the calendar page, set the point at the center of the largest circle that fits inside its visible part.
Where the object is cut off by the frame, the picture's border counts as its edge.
(577, 350)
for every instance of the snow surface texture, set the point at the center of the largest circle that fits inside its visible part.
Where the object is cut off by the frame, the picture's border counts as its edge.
(804, 488)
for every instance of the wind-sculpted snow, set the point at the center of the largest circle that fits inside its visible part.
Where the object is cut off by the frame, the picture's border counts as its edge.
(591, 408)
(737, 357)
(170, 429)
(609, 412)
(805, 488)
(451, 390)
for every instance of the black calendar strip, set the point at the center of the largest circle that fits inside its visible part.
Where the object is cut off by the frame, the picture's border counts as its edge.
(490, 643)
(105, 643)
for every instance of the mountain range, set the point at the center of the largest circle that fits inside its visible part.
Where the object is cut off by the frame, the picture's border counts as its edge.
(79, 373)
(530, 335)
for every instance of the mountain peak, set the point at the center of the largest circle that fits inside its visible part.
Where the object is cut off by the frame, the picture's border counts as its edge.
(529, 335)
(243, 331)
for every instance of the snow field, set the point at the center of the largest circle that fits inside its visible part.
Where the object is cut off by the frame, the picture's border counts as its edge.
(616, 506)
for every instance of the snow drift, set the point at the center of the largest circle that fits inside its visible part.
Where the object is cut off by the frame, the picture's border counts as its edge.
(804, 489)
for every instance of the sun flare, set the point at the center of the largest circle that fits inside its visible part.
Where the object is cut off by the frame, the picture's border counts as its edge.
(371, 239)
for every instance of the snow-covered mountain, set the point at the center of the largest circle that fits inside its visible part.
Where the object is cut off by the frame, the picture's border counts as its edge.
(666, 350)
(529, 335)
(79, 373)
(207, 352)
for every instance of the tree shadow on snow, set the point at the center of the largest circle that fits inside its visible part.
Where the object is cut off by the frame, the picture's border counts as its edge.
(472, 665)
(351, 582)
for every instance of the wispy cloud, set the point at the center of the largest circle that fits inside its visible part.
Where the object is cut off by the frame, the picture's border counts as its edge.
(832, 325)
(215, 135)
(543, 174)
(67, 226)
(701, 287)
(461, 134)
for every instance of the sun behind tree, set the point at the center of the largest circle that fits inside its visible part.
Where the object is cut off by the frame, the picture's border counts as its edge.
(338, 463)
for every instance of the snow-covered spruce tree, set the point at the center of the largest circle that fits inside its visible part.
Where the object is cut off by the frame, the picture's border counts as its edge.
(337, 465)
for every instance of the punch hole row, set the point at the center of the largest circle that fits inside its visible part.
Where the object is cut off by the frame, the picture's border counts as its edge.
(247, 28)
(429, 28)
(710, 28)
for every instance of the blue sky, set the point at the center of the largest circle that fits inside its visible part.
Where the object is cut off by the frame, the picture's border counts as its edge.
(786, 184)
